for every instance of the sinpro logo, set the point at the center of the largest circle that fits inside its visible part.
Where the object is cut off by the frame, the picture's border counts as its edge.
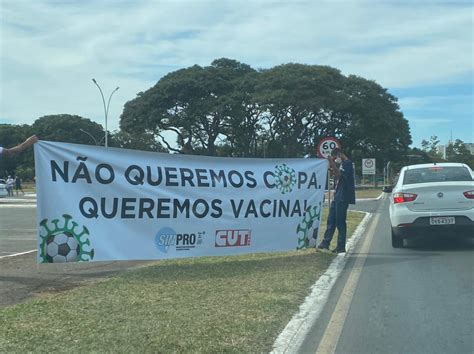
(167, 238)
(233, 238)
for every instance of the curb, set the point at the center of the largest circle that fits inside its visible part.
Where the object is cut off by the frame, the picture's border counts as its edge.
(293, 335)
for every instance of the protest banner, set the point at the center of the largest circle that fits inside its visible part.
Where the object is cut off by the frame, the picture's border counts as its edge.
(102, 204)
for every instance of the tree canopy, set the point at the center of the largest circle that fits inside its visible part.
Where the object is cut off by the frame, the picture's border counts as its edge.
(231, 109)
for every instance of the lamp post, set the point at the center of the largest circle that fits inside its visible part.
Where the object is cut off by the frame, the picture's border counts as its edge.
(92, 136)
(106, 108)
(97, 143)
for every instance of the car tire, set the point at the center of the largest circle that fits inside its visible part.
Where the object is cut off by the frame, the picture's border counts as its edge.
(397, 241)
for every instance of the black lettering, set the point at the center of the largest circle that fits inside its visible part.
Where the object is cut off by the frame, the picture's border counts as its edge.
(137, 178)
(196, 205)
(82, 172)
(171, 177)
(240, 181)
(252, 182)
(63, 173)
(236, 209)
(98, 175)
(219, 177)
(181, 208)
(265, 179)
(251, 209)
(302, 178)
(313, 181)
(126, 207)
(262, 210)
(92, 211)
(216, 207)
(187, 175)
(111, 214)
(146, 205)
(163, 208)
(149, 177)
(202, 177)
(283, 207)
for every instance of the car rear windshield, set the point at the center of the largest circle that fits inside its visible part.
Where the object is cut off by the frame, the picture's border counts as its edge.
(436, 174)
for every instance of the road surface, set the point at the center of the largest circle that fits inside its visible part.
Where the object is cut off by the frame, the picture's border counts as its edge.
(410, 300)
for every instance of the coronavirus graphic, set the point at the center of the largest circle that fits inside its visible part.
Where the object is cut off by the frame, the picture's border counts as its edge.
(285, 178)
(307, 229)
(62, 242)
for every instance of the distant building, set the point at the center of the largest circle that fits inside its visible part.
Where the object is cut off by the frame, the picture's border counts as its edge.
(442, 149)
(470, 147)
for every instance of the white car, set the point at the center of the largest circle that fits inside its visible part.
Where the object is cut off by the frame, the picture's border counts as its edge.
(3, 188)
(432, 197)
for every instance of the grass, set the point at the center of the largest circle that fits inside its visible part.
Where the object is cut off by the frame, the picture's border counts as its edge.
(368, 193)
(210, 304)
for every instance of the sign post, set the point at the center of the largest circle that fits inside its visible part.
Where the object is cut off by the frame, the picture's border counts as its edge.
(368, 167)
(323, 150)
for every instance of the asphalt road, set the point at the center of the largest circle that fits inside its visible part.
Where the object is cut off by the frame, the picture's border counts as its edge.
(17, 229)
(411, 300)
(22, 278)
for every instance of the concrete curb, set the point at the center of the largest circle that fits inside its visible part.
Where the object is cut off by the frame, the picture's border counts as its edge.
(293, 335)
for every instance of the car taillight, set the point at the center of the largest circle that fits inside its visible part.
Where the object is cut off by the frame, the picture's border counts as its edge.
(403, 197)
(469, 194)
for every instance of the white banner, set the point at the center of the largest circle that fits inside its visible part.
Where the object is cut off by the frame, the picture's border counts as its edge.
(100, 204)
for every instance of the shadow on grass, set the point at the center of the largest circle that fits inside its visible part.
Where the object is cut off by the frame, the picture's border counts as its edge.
(227, 267)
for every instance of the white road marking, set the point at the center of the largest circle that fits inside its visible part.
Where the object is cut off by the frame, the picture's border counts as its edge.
(17, 239)
(17, 206)
(18, 254)
(292, 337)
(333, 331)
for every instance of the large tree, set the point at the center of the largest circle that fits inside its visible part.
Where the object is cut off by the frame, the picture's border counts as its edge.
(69, 129)
(197, 105)
(230, 109)
(300, 103)
(375, 126)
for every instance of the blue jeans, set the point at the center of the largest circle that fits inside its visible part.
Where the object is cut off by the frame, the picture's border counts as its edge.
(336, 219)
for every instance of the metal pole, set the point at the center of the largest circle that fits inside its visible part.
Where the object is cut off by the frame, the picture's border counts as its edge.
(106, 108)
(95, 141)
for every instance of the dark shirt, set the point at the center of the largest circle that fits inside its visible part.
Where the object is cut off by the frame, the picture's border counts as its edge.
(345, 188)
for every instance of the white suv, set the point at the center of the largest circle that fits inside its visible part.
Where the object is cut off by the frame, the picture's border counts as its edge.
(432, 197)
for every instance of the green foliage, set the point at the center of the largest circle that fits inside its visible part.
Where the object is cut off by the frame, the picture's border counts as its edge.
(10, 136)
(144, 142)
(69, 129)
(431, 148)
(230, 109)
(458, 152)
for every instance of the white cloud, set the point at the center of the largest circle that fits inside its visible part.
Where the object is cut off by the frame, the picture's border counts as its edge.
(50, 50)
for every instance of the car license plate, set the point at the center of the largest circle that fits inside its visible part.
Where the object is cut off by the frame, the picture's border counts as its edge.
(442, 220)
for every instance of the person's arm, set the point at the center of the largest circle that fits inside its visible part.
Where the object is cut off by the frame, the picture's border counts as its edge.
(333, 167)
(19, 148)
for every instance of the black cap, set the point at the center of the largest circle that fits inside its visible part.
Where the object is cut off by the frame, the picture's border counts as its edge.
(335, 152)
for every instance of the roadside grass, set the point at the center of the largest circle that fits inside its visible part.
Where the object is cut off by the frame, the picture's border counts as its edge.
(29, 187)
(210, 304)
(368, 193)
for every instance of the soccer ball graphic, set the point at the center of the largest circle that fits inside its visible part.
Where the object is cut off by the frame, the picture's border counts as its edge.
(61, 248)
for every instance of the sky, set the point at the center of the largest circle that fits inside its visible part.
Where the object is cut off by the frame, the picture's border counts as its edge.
(420, 51)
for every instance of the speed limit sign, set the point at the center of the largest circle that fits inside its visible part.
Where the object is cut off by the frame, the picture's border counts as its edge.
(326, 146)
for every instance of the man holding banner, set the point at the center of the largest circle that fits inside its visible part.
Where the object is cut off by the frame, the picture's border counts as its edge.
(344, 195)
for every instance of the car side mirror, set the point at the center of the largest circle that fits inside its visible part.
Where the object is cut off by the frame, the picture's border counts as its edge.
(388, 189)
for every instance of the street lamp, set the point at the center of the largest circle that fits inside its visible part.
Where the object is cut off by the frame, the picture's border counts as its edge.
(106, 108)
(92, 136)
